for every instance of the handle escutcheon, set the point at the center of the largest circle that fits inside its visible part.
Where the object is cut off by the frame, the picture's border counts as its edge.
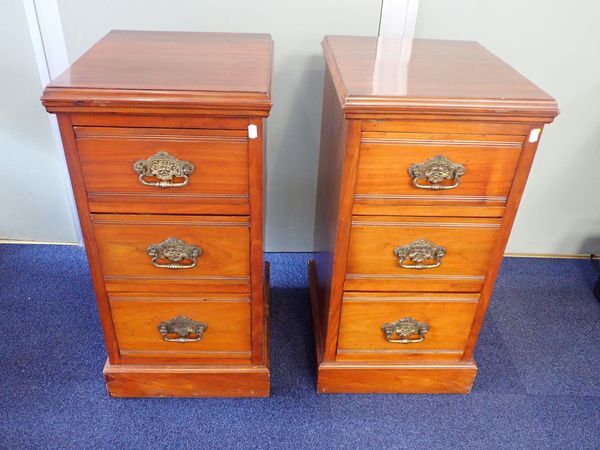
(434, 171)
(165, 168)
(414, 255)
(175, 251)
(182, 329)
(400, 332)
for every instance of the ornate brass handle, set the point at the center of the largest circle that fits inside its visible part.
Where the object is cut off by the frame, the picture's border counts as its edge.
(165, 167)
(403, 329)
(182, 329)
(436, 170)
(174, 250)
(418, 252)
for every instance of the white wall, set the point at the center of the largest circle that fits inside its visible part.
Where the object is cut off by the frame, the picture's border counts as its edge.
(555, 44)
(297, 27)
(33, 197)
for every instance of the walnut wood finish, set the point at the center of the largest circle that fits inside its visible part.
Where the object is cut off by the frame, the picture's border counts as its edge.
(489, 162)
(258, 268)
(219, 157)
(390, 207)
(127, 380)
(462, 126)
(384, 377)
(449, 317)
(409, 378)
(193, 95)
(83, 211)
(175, 121)
(151, 71)
(137, 317)
(123, 240)
(443, 77)
(372, 265)
(454, 99)
(337, 175)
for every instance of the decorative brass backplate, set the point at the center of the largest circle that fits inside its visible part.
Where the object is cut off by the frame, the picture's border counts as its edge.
(174, 250)
(434, 171)
(182, 329)
(403, 329)
(164, 167)
(418, 252)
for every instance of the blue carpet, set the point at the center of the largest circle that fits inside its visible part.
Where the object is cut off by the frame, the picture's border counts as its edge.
(538, 384)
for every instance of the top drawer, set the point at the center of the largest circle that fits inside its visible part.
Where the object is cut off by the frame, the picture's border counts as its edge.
(162, 170)
(398, 170)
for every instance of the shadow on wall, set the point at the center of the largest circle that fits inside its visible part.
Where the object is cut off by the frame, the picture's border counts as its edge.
(591, 244)
(290, 207)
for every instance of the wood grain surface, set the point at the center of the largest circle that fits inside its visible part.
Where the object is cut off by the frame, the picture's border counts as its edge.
(448, 316)
(220, 177)
(454, 77)
(137, 318)
(373, 266)
(193, 95)
(489, 164)
(169, 71)
(449, 98)
(186, 381)
(123, 241)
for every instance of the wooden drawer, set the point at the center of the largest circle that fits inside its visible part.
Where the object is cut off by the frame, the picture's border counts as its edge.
(402, 170)
(444, 321)
(218, 183)
(461, 249)
(137, 318)
(222, 252)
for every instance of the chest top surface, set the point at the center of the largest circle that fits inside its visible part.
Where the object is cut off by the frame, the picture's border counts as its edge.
(166, 68)
(385, 74)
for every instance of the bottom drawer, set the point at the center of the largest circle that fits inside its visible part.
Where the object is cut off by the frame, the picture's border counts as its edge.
(405, 326)
(163, 329)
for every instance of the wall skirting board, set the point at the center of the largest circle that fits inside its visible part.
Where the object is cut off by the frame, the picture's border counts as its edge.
(550, 255)
(12, 241)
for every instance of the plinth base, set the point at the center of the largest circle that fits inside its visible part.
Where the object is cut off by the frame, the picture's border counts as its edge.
(186, 381)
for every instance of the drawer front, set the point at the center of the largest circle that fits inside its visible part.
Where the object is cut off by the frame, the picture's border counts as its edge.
(173, 253)
(203, 327)
(419, 253)
(388, 327)
(445, 170)
(153, 170)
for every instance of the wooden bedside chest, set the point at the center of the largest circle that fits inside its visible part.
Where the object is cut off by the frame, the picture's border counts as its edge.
(423, 162)
(163, 135)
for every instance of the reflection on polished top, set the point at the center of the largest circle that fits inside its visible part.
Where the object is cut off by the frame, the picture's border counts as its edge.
(384, 74)
(162, 67)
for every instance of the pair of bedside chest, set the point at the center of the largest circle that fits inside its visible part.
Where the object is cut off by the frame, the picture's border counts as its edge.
(419, 182)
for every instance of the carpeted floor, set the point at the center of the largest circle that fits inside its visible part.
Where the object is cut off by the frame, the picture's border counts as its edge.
(538, 384)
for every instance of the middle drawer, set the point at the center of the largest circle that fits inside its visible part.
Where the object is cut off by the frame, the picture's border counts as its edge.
(431, 254)
(141, 253)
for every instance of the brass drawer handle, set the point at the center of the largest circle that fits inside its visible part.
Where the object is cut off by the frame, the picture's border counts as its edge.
(436, 170)
(165, 167)
(182, 329)
(403, 329)
(418, 252)
(174, 250)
